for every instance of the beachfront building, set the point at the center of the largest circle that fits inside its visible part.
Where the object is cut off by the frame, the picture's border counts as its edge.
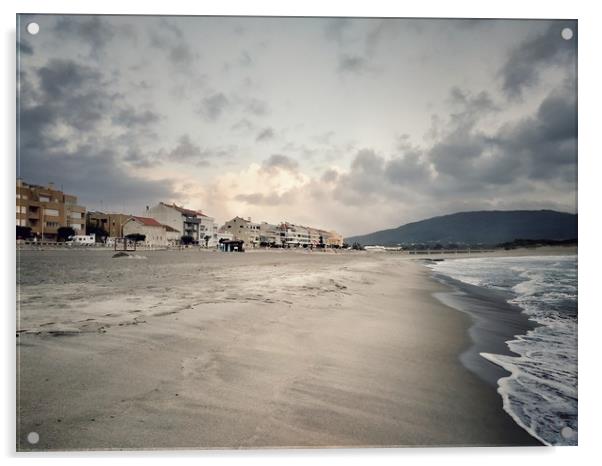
(187, 222)
(45, 209)
(244, 230)
(317, 237)
(295, 236)
(208, 231)
(270, 235)
(111, 223)
(155, 233)
(302, 236)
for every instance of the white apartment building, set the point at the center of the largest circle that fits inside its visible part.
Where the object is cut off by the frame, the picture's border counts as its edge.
(270, 235)
(187, 222)
(295, 235)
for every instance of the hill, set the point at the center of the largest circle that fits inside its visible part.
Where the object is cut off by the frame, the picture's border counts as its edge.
(481, 227)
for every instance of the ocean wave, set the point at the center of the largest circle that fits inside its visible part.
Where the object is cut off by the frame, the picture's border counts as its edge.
(540, 393)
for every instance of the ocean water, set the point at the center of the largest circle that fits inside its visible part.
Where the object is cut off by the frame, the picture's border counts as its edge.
(541, 391)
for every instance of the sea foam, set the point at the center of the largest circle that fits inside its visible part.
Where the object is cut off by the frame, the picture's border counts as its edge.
(541, 391)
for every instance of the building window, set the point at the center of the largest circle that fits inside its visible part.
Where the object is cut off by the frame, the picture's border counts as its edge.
(51, 212)
(44, 199)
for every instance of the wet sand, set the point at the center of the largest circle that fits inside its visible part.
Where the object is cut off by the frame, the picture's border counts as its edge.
(263, 349)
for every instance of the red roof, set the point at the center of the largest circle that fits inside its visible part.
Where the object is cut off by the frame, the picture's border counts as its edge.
(149, 222)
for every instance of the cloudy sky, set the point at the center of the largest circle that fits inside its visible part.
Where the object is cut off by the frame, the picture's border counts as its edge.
(347, 124)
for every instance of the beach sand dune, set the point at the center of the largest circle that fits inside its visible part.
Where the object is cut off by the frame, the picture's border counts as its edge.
(274, 349)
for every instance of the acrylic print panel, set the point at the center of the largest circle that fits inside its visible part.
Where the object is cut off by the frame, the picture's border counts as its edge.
(249, 232)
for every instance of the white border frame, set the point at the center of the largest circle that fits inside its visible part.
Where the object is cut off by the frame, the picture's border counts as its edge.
(589, 224)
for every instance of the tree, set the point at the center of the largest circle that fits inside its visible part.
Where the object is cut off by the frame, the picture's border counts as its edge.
(64, 233)
(136, 237)
(357, 246)
(23, 232)
(186, 239)
(99, 232)
(207, 238)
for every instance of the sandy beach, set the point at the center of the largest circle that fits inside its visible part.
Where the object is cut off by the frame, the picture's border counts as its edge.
(188, 349)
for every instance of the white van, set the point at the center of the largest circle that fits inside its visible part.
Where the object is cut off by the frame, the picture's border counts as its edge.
(83, 239)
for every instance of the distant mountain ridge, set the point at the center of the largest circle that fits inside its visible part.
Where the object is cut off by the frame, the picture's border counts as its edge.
(488, 227)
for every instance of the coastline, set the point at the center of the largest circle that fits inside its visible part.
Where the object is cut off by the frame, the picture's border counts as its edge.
(498, 326)
(267, 350)
(494, 323)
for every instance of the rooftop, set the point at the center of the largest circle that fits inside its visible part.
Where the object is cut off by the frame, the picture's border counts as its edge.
(187, 212)
(149, 222)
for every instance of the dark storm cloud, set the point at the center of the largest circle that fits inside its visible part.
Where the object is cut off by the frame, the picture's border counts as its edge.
(468, 163)
(365, 179)
(357, 41)
(459, 154)
(75, 97)
(170, 38)
(91, 30)
(265, 135)
(68, 93)
(546, 143)
(279, 161)
(213, 106)
(471, 105)
(529, 58)
(131, 117)
(187, 151)
(93, 174)
(408, 169)
(139, 159)
(539, 147)
(373, 173)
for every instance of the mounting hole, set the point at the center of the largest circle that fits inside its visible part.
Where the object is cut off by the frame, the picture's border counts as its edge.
(33, 438)
(33, 28)
(567, 433)
(567, 33)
